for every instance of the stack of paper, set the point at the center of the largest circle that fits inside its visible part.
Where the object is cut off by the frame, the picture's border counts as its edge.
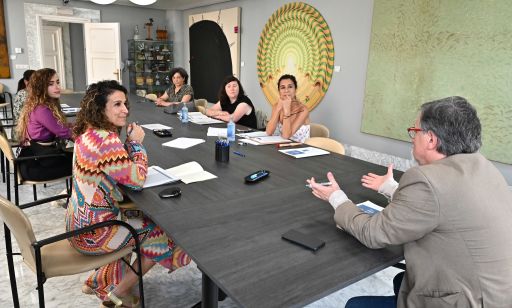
(304, 152)
(199, 118)
(260, 138)
(158, 176)
(183, 142)
(217, 132)
(70, 110)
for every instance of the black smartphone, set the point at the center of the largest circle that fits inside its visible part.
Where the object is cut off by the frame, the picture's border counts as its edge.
(171, 192)
(257, 176)
(304, 240)
(162, 132)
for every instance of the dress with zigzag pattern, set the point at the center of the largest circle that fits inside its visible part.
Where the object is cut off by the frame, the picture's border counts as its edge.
(101, 162)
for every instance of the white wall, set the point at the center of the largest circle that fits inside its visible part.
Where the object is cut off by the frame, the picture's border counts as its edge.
(341, 108)
(127, 16)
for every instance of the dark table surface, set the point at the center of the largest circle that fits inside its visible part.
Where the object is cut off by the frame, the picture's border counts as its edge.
(233, 230)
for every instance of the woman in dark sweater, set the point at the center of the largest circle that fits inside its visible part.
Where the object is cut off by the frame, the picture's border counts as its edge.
(233, 103)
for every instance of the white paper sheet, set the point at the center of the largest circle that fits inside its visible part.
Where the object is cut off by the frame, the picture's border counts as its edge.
(304, 152)
(158, 176)
(250, 141)
(183, 142)
(190, 172)
(270, 139)
(217, 132)
(199, 118)
(155, 126)
(252, 134)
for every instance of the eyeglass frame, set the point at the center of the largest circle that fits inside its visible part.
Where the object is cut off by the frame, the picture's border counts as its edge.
(412, 131)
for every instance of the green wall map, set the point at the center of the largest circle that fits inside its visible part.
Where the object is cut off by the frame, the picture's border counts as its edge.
(429, 49)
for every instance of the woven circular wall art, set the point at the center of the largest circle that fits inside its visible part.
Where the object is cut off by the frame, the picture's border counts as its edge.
(296, 40)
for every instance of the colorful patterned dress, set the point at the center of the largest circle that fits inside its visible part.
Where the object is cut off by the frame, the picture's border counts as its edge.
(100, 163)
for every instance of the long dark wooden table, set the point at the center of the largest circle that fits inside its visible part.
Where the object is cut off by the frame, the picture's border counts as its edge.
(233, 230)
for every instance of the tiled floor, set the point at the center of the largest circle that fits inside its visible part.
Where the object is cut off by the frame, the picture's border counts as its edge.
(179, 289)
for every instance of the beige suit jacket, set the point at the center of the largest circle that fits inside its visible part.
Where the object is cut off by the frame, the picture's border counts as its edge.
(454, 219)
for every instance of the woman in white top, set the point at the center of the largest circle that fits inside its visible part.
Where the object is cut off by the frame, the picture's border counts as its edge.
(290, 118)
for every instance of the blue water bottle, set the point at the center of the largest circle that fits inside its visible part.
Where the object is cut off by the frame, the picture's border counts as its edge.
(231, 129)
(184, 113)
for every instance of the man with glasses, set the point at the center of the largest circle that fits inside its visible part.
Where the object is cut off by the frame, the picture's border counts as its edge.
(452, 214)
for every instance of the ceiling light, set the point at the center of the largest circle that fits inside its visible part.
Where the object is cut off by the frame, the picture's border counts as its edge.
(103, 1)
(143, 2)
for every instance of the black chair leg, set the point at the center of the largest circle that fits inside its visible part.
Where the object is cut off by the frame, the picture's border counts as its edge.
(10, 265)
(2, 165)
(35, 192)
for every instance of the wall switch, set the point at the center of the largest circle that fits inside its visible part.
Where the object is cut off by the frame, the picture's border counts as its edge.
(18, 50)
(337, 68)
(22, 66)
(242, 64)
(13, 57)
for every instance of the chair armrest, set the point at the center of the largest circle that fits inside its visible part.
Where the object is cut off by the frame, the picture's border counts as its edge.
(25, 158)
(60, 237)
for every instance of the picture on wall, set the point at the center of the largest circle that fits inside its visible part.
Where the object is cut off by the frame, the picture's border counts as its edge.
(430, 49)
(5, 70)
(296, 40)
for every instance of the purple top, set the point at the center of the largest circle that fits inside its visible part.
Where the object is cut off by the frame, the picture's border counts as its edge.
(43, 126)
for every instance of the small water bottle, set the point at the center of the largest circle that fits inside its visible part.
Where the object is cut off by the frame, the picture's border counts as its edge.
(184, 113)
(231, 129)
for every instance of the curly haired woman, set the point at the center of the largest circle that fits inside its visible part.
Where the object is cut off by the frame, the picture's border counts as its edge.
(102, 162)
(40, 126)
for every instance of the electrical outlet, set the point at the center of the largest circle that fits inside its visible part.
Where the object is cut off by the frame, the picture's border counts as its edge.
(337, 68)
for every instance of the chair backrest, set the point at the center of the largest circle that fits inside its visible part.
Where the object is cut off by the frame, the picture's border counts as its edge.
(326, 144)
(5, 146)
(200, 102)
(21, 228)
(261, 119)
(318, 130)
(201, 109)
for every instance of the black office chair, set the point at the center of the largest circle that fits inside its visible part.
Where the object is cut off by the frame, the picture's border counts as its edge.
(54, 256)
(4, 103)
(6, 149)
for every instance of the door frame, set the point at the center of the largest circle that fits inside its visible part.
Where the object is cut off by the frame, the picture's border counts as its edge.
(58, 18)
(60, 51)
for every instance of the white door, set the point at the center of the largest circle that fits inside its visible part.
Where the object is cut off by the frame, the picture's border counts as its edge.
(102, 52)
(53, 55)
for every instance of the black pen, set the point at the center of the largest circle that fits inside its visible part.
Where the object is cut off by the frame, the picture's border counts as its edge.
(238, 153)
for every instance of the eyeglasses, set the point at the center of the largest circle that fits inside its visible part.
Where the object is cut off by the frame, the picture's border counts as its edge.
(412, 131)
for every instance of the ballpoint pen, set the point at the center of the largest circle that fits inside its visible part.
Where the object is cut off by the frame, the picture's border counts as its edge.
(322, 183)
(238, 153)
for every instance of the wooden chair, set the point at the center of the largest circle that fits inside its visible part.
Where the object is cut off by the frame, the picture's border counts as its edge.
(54, 256)
(318, 130)
(6, 149)
(4, 103)
(326, 144)
(13, 144)
(201, 109)
(201, 102)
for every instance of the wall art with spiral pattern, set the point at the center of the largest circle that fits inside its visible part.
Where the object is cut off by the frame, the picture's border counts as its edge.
(296, 40)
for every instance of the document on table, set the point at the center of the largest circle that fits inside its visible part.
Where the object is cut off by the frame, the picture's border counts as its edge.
(199, 118)
(190, 172)
(155, 126)
(157, 176)
(217, 132)
(270, 139)
(69, 110)
(62, 106)
(304, 152)
(183, 142)
(252, 134)
(368, 207)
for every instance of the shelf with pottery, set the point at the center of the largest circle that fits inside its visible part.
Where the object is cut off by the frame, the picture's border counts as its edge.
(149, 63)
